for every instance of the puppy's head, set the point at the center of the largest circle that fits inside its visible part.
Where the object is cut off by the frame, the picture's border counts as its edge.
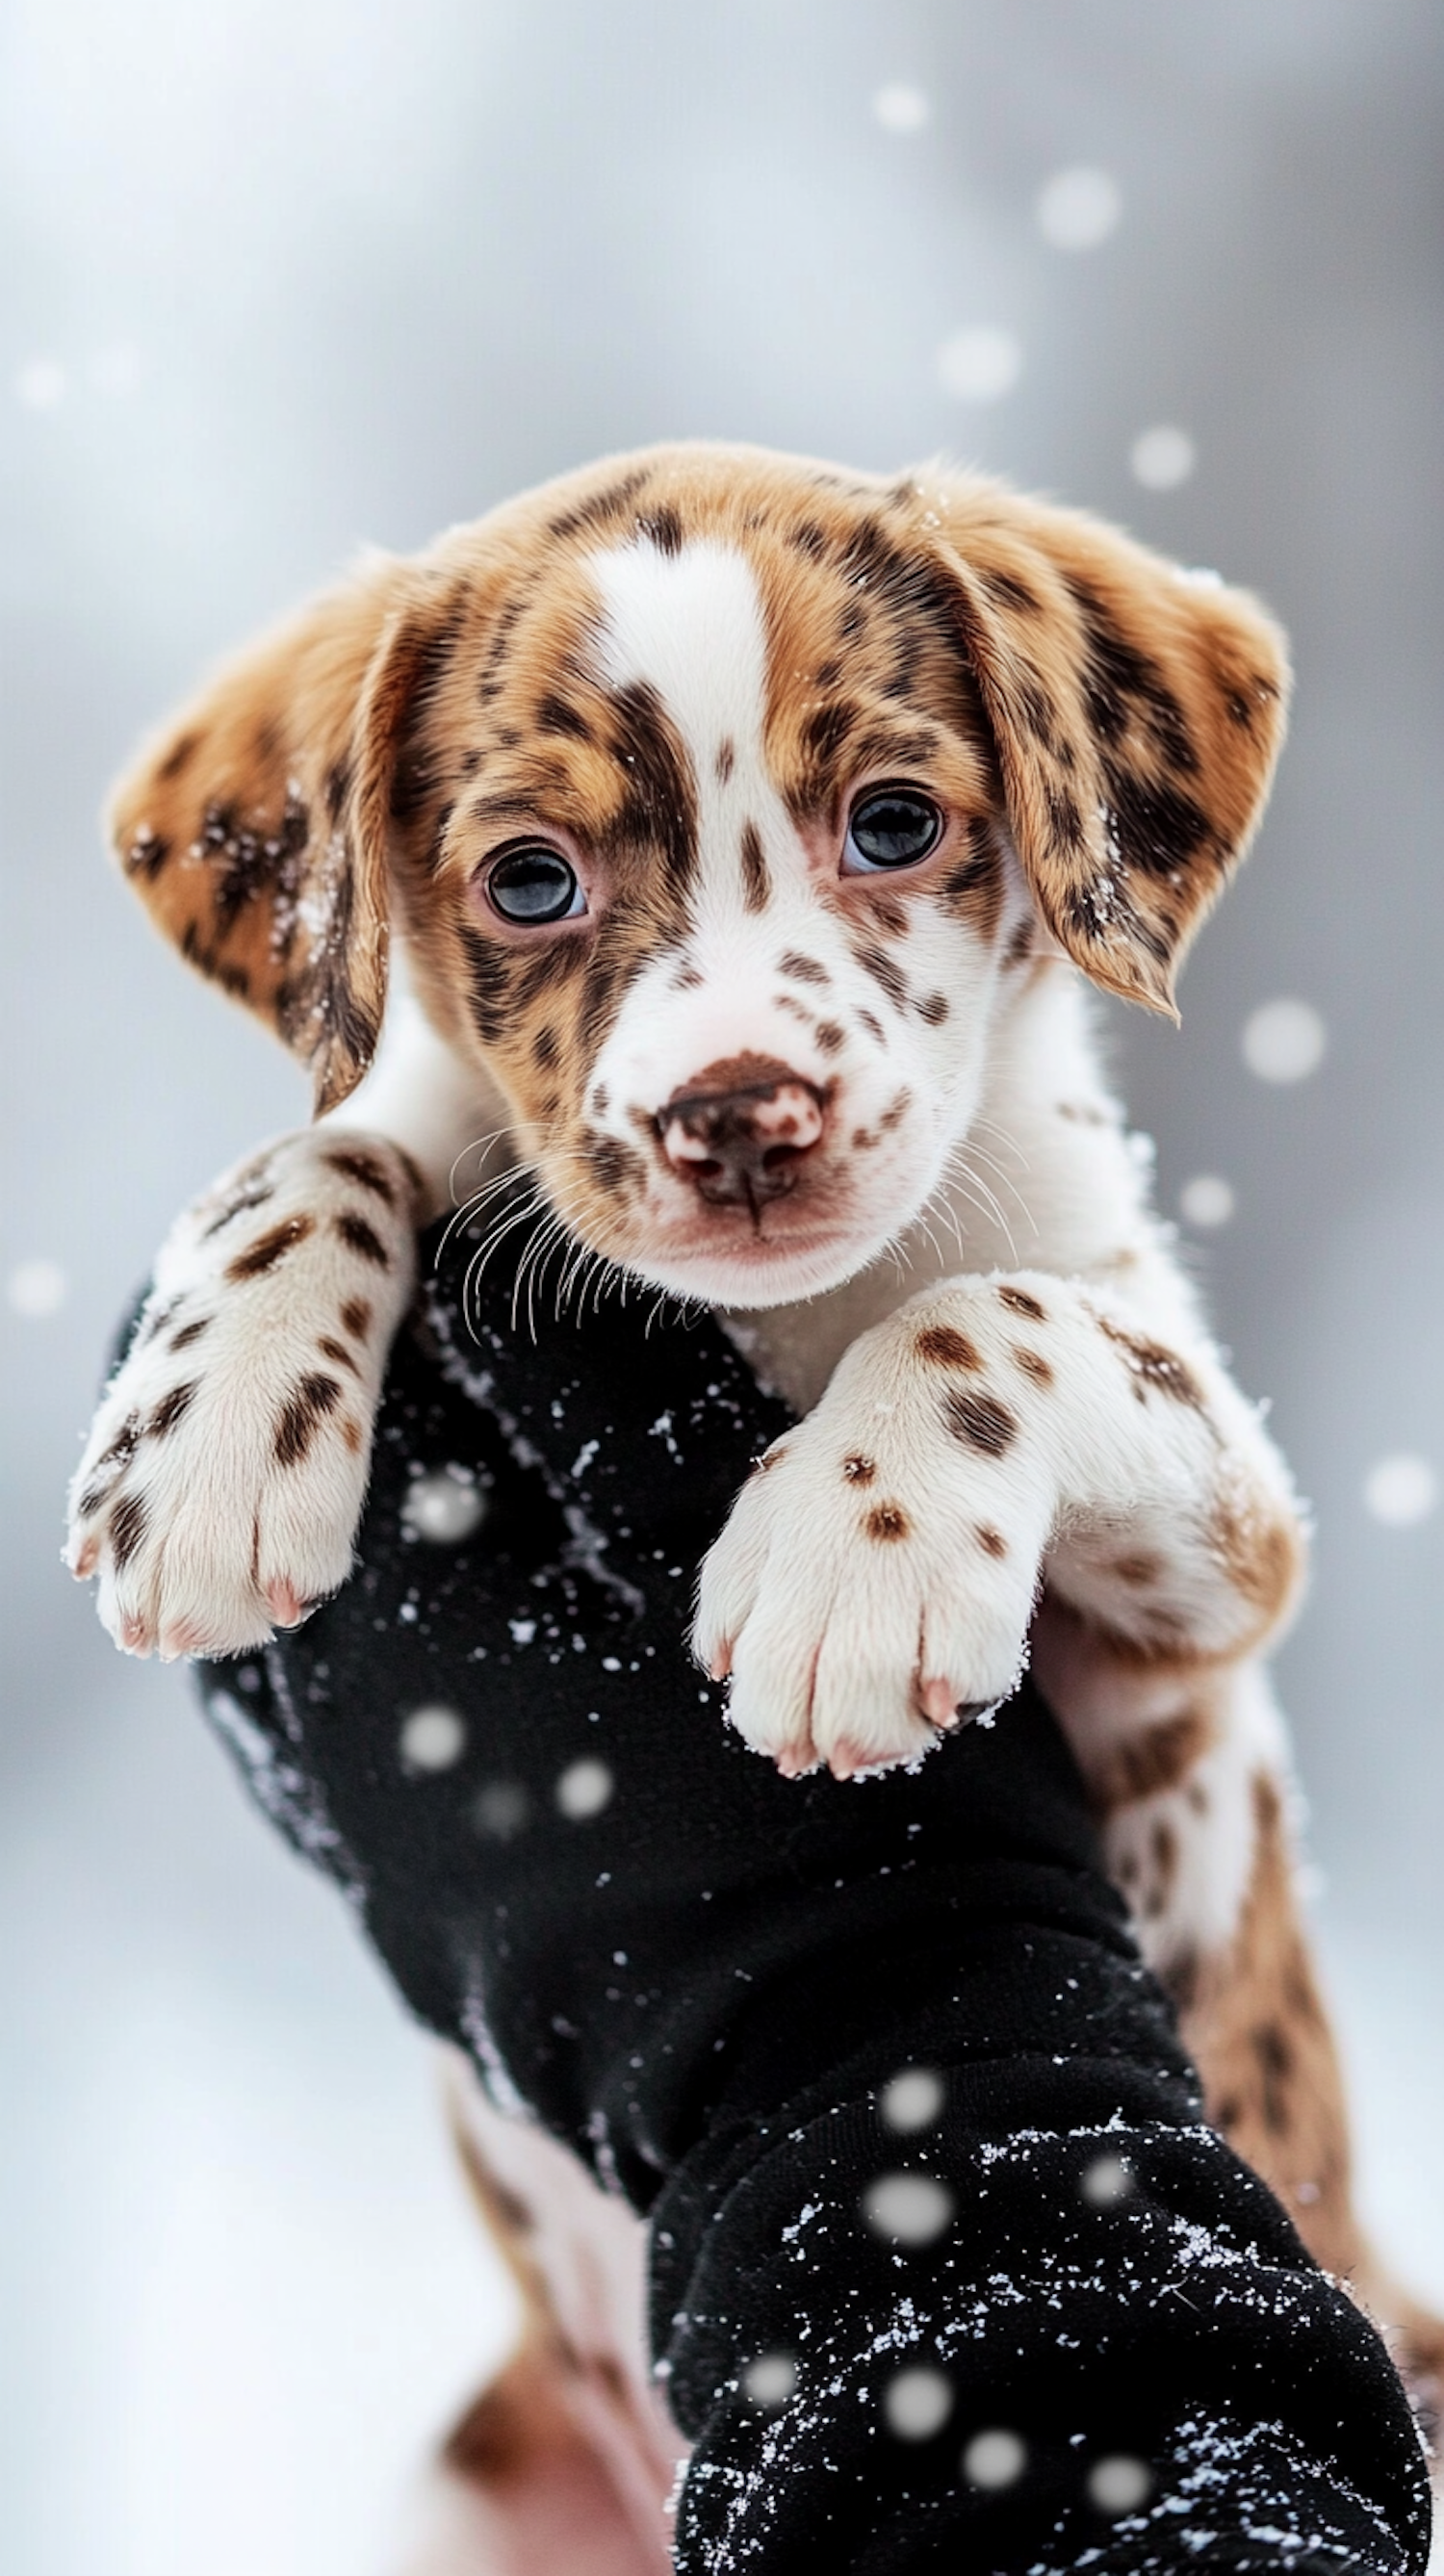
(719, 797)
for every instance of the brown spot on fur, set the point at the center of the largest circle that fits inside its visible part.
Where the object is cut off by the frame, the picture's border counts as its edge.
(991, 1541)
(1165, 1646)
(301, 1415)
(188, 1333)
(240, 1200)
(170, 1410)
(180, 755)
(664, 528)
(858, 1470)
(828, 1037)
(363, 1168)
(351, 1434)
(520, 2440)
(1033, 1365)
(356, 1317)
(658, 808)
(886, 1522)
(613, 1165)
(980, 1421)
(1262, 1554)
(934, 1008)
(1157, 1758)
(1141, 1567)
(598, 508)
(795, 1010)
(1154, 1367)
(269, 1248)
(124, 1444)
(726, 761)
(147, 854)
(874, 1027)
(556, 714)
(127, 1528)
(755, 883)
(973, 889)
(943, 1346)
(331, 1349)
(1011, 592)
(803, 970)
(361, 1238)
(884, 970)
(1019, 1302)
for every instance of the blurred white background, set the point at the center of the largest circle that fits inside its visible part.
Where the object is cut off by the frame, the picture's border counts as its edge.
(283, 275)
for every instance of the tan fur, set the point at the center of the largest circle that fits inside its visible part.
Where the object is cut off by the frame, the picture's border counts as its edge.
(1255, 2023)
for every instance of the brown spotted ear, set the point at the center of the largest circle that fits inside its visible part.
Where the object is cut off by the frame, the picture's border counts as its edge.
(254, 828)
(1138, 712)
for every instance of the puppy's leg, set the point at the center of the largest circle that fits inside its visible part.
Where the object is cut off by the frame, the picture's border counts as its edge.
(221, 1486)
(223, 1479)
(880, 1573)
(1189, 1775)
(566, 2461)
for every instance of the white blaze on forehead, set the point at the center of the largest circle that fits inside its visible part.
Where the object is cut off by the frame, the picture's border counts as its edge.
(691, 625)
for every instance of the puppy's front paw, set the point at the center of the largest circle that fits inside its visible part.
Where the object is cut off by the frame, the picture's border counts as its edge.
(223, 1480)
(870, 1590)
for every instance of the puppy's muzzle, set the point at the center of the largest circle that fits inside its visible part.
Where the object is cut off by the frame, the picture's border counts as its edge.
(741, 1132)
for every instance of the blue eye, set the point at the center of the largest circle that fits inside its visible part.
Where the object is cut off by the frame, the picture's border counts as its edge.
(532, 883)
(890, 827)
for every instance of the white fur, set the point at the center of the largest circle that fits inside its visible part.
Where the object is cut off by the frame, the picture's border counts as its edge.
(1211, 1822)
(231, 1532)
(691, 626)
(829, 1630)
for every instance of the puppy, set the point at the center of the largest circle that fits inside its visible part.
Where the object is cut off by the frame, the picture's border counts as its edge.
(749, 833)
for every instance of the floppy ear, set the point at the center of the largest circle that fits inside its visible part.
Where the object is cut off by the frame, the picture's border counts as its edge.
(254, 828)
(1138, 711)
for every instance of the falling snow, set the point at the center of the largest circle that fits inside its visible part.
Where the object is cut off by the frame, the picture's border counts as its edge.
(1078, 208)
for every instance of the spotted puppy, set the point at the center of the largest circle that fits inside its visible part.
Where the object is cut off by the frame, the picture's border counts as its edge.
(751, 832)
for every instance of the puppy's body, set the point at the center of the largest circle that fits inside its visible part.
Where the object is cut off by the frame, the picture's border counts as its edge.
(747, 828)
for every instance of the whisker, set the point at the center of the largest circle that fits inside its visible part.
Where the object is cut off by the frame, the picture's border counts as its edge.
(481, 1145)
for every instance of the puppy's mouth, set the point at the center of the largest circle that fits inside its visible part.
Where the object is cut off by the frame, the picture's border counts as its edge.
(761, 1192)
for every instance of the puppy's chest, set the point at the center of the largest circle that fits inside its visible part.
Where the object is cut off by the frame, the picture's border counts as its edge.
(793, 1350)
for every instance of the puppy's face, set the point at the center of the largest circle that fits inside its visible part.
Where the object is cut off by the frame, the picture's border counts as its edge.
(721, 895)
(718, 797)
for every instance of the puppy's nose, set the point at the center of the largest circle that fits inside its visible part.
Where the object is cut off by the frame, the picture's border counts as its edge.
(741, 1130)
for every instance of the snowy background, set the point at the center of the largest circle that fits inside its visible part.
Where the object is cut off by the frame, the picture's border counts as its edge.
(285, 274)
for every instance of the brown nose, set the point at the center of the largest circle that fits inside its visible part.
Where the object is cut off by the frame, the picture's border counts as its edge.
(742, 1130)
